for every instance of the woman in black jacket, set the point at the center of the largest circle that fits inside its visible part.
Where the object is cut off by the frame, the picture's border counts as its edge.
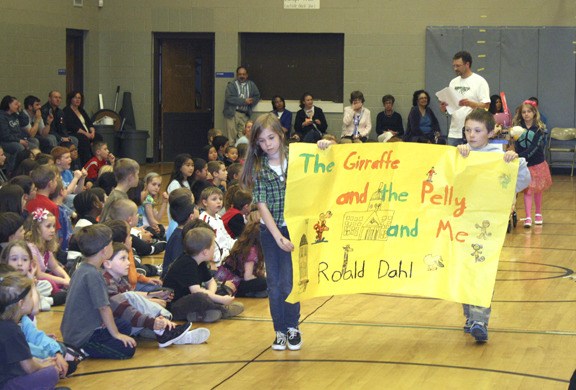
(79, 125)
(310, 123)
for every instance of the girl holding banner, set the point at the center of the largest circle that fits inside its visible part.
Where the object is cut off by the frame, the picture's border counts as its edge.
(265, 172)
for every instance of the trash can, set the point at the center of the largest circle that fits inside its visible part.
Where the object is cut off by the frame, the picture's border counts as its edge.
(108, 132)
(133, 144)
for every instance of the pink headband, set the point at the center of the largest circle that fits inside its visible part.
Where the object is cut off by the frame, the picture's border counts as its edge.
(531, 102)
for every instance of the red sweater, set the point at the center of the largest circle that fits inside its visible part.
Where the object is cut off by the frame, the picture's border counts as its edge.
(93, 167)
(43, 202)
(228, 215)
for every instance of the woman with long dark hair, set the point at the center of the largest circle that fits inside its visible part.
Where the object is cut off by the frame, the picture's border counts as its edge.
(310, 123)
(422, 123)
(79, 125)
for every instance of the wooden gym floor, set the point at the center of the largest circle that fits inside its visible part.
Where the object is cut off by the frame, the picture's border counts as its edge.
(384, 341)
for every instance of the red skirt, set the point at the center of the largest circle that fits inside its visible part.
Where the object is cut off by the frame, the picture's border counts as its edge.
(541, 178)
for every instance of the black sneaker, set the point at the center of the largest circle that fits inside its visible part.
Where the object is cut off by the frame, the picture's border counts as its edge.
(72, 366)
(294, 339)
(279, 343)
(169, 337)
(158, 247)
(73, 353)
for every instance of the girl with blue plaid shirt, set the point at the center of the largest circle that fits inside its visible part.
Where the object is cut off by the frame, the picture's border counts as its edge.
(265, 172)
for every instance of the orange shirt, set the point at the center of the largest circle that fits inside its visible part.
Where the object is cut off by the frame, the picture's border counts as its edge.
(133, 276)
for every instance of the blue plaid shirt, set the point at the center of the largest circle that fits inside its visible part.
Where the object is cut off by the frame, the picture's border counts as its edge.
(270, 188)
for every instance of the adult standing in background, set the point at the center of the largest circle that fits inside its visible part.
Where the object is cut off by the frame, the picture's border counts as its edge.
(388, 121)
(241, 96)
(474, 91)
(53, 115)
(356, 124)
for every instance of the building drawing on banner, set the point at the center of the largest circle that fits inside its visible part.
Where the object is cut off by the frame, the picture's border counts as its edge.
(371, 224)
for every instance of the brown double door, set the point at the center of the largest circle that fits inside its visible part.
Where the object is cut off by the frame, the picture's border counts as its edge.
(184, 93)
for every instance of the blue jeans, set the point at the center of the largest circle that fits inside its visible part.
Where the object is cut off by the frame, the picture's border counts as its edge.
(103, 346)
(477, 313)
(146, 287)
(279, 278)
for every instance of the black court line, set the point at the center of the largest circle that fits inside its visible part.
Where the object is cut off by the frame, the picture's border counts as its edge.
(266, 349)
(419, 327)
(567, 271)
(343, 361)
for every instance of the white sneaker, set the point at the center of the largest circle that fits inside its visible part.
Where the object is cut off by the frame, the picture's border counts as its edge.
(195, 336)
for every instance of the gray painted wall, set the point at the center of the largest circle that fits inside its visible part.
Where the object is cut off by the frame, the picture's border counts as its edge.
(384, 43)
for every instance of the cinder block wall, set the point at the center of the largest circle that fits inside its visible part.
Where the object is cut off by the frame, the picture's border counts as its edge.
(384, 41)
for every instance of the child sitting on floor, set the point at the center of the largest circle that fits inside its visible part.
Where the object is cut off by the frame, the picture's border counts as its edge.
(18, 256)
(151, 216)
(195, 297)
(148, 318)
(19, 369)
(244, 267)
(43, 243)
(235, 216)
(88, 323)
(211, 199)
(182, 209)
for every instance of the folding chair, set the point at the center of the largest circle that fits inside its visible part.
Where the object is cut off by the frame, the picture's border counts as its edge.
(562, 140)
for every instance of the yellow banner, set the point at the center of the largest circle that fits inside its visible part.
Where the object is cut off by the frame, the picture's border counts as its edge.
(401, 218)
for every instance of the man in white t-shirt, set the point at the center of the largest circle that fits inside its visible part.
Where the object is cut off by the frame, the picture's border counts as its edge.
(474, 91)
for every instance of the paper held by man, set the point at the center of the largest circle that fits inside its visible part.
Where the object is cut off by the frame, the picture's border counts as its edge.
(450, 97)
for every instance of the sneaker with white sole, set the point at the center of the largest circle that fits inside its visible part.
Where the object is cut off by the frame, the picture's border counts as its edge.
(195, 336)
(294, 339)
(279, 343)
(528, 222)
(173, 335)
